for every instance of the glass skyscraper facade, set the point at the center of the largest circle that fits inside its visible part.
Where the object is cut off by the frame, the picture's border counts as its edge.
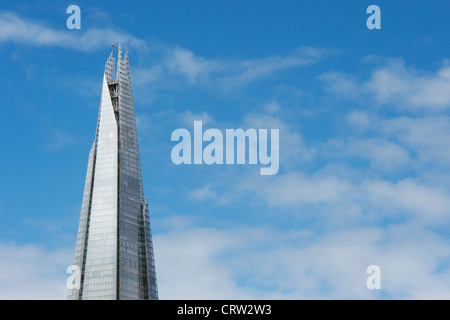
(114, 248)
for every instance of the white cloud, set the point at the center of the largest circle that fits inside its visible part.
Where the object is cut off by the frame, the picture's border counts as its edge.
(293, 150)
(394, 144)
(397, 143)
(30, 272)
(16, 29)
(396, 83)
(359, 120)
(185, 268)
(294, 188)
(432, 205)
(235, 73)
(341, 83)
(183, 61)
(144, 76)
(24, 31)
(260, 68)
(272, 108)
(427, 137)
(240, 262)
(170, 61)
(407, 87)
(383, 155)
(203, 193)
(367, 192)
(332, 199)
(187, 118)
(371, 200)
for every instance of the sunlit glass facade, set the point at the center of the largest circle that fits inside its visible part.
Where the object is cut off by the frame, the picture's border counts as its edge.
(114, 248)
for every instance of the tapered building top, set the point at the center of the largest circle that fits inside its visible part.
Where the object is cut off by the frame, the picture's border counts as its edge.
(114, 248)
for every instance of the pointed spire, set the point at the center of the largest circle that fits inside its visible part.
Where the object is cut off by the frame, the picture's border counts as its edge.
(109, 67)
(120, 52)
(119, 61)
(125, 58)
(126, 63)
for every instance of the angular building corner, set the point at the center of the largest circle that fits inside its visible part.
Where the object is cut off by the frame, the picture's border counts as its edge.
(114, 248)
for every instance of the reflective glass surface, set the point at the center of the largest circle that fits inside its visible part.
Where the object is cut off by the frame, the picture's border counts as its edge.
(114, 244)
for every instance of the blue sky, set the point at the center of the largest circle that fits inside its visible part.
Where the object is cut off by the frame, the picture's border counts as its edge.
(364, 143)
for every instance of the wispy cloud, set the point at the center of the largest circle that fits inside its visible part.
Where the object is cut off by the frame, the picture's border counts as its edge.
(235, 73)
(30, 272)
(171, 63)
(426, 203)
(332, 193)
(242, 262)
(345, 85)
(428, 137)
(261, 68)
(421, 139)
(187, 118)
(176, 65)
(389, 161)
(383, 155)
(58, 139)
(396, 83)
(203, 193)
(16, 29)
(184, 62)
(297, 189)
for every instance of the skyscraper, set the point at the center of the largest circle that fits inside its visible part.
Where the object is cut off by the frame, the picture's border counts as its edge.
(114, 248)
